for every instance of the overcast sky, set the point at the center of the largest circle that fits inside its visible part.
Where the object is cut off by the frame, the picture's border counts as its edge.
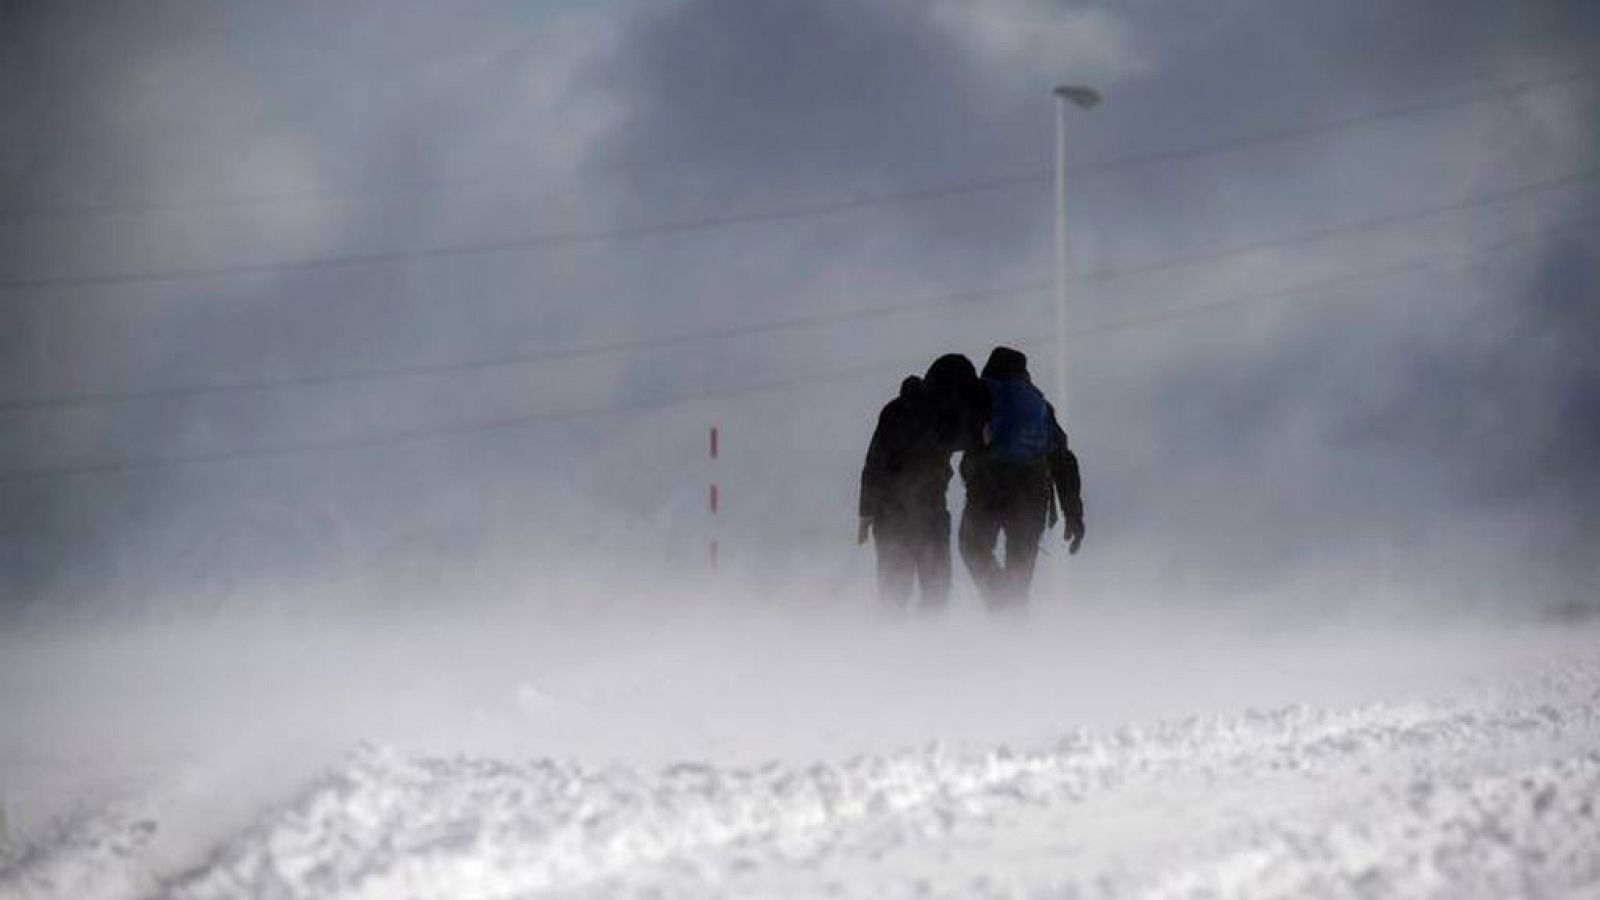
(378, 197)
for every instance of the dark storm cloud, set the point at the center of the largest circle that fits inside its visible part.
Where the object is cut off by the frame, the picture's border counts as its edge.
(169, 122)
(1295, 60)
(744, 102)
(800, 95)
(1247, 441)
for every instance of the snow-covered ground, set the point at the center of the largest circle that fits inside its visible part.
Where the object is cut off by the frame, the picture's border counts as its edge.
(775, 755)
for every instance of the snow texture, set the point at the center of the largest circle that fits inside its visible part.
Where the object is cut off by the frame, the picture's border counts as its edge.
(1481, 792)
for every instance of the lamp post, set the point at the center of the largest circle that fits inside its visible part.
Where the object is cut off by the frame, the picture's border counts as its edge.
(1083, 98)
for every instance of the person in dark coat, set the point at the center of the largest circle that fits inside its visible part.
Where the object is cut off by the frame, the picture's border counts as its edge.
(907, 473)
(1015, 483)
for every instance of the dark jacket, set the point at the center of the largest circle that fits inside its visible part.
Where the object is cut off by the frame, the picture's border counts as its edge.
(992, 481)
(907, 469)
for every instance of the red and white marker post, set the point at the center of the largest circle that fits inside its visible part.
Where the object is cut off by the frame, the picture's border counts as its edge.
(713, 499)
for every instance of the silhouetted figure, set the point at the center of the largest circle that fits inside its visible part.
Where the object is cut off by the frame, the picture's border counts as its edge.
(1009, 483)
(907, 474)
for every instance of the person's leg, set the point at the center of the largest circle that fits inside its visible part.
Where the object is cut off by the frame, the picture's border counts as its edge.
(979, 529)
(933, 561)
(1024, 526)
(896, 562)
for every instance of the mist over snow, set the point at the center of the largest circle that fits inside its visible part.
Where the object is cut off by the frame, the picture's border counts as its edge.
(500, 752)
(357, 363)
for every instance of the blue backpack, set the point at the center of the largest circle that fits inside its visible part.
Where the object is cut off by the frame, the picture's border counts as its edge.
(1019, 421)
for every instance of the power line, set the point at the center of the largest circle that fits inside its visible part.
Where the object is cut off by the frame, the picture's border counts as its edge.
(1496, 92)
(794, 212)
(1190, 311)
(817, 320)
(1491, 198)
(486, 248)
(1500, 92)
(517, 359)
(429, 433)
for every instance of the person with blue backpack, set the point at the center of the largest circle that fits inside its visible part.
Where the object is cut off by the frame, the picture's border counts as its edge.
(1015, 482)
(907, 474)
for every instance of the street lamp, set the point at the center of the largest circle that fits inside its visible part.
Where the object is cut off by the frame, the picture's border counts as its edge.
(1083, 98)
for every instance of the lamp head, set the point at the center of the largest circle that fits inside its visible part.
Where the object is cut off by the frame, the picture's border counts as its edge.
(1084, 97)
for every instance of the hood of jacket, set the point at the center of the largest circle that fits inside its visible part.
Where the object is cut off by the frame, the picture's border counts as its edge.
(950, 374)
(1006, 363)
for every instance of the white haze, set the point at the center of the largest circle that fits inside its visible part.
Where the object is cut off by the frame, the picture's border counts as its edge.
(248, 706)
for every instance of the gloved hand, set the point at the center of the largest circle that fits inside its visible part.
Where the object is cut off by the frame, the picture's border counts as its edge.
(1074, 534)
(862, 530)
